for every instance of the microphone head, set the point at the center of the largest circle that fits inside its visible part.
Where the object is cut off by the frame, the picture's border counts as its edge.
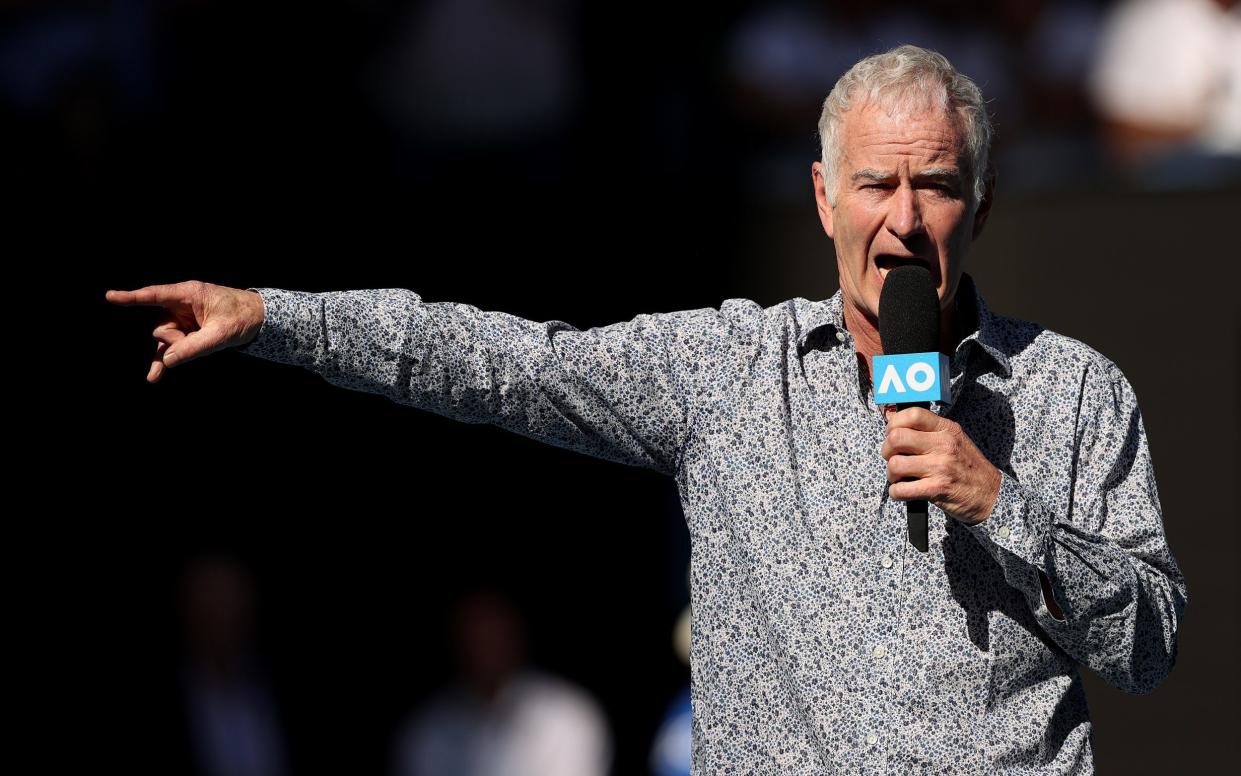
(909, 312)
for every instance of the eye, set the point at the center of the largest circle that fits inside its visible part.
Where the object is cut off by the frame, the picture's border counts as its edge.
(942, 189)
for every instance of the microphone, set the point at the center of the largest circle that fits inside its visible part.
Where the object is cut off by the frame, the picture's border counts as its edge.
(909, 323)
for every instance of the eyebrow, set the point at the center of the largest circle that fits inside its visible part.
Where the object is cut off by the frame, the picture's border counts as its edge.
(931, 173)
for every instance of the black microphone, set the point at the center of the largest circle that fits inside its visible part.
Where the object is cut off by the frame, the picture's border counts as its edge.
(909, 323)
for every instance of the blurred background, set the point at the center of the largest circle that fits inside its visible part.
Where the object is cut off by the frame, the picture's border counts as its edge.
(248, 571)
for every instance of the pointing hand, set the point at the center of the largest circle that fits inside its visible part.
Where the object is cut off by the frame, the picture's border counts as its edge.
(198, 319)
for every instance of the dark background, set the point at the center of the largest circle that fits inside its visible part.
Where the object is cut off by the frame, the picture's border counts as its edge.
(244, 144)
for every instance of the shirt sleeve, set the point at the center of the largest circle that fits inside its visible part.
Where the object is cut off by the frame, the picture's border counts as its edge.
(625, 392)
(1106, 560)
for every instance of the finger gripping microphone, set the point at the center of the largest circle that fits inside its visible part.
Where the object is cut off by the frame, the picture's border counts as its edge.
(909, 324)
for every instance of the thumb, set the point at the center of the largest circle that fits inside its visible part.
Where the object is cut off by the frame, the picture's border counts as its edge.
(198, 343)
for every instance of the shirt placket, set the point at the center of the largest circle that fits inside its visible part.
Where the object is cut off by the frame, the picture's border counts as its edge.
(881, 647)
(904, 584)
(885, 648)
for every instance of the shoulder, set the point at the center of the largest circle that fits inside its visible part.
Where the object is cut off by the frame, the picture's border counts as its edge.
(1035, 350)
(551, 689)
(557, 701)
(732, 325)
(779, 316)
(744, 314)
(736, 313)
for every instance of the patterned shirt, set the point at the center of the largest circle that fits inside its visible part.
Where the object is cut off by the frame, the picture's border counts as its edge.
(823, 641)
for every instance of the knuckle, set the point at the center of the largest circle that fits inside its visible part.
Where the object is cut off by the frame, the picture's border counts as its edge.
(952, 444)
(941, 464)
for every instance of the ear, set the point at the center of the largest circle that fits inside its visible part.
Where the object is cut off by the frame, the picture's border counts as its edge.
(984, 206)
(826, 211)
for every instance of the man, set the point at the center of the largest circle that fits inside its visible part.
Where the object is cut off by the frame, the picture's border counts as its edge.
(502, 717)
(822, 640)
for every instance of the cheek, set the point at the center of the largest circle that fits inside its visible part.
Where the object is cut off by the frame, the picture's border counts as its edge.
(953, 228)
(854, 230)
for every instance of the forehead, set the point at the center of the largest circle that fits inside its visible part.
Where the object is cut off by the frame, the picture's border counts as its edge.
(871, 135)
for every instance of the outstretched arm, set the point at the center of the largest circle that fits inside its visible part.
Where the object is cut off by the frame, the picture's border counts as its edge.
(625, 392)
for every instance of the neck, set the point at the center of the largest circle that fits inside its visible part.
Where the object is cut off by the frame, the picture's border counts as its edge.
(865, 332)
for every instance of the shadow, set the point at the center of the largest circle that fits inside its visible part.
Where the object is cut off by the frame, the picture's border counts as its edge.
(1067, 715)
(822, 338)
(972, 573)
(974, 577)
(1128, 453)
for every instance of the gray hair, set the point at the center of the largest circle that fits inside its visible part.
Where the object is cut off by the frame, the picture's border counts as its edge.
(902, 80)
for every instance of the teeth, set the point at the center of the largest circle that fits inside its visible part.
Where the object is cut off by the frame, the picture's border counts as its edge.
(883, 272)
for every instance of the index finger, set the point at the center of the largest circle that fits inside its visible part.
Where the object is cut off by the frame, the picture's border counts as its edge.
(917, 418)
(149, 295)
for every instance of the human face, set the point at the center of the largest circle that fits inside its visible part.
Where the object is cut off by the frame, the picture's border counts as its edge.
(903, 196)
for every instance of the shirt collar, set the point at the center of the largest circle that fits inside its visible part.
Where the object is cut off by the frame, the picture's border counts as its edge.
(984, 325)
(825, 319)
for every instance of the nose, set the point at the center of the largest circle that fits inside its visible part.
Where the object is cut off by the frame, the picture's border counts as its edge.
(904, 216)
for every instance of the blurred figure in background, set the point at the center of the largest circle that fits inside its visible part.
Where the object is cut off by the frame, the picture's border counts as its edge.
(234, 728)
(1167, 83)
(502, 718)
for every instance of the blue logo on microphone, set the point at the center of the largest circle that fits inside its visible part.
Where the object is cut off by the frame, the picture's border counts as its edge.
(909, 377)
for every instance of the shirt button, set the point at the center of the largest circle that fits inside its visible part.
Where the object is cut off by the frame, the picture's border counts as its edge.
(887, 561)
(879, 651)
(871, 738)
(840, 336)
(1004, 532)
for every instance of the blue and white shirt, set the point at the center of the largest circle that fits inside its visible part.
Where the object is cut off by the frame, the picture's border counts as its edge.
(823, 641)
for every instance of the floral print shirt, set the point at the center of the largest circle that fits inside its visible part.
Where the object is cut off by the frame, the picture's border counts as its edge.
(822, 640)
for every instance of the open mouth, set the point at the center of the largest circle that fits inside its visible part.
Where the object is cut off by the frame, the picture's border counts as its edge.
(886, 262)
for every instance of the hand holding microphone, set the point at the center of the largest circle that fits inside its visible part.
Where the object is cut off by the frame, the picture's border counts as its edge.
(930, 458)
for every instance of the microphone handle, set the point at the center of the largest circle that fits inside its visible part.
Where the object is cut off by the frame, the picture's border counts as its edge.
(916, 510)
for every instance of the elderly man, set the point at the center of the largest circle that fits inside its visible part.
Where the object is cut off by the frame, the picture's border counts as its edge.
(823, 641)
